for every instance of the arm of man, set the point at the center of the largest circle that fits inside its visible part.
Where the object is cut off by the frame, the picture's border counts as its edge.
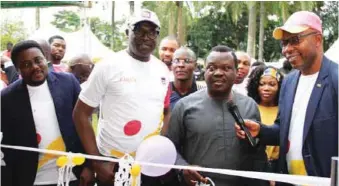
(167, 111)
(89, 99)
(86, 175)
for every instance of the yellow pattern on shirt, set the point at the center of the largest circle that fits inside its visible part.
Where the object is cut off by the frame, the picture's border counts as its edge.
(58, 145)
(268, 116)
(297, 167)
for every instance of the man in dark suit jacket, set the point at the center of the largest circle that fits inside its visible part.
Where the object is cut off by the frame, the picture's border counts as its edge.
(37, 112)
(307, 125)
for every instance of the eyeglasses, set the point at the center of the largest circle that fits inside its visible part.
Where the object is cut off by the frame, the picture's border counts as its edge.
(186, 61)
(295, 40)
(141, 33)
(29, 64)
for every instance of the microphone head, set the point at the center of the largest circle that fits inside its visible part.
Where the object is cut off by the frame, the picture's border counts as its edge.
(230, 104)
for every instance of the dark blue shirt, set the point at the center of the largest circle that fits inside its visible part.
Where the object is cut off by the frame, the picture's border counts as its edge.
(176, 96)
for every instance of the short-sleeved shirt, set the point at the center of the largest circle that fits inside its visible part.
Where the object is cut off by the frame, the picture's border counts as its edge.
(132, 95)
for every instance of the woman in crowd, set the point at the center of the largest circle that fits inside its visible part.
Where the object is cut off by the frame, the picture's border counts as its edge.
(264, 86)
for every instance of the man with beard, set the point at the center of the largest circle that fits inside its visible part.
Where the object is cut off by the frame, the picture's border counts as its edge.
(132, 89)
(167, 47)
(244, 64)
(307, 124)
(183, 65)
(37, 112)
(202, 128)
(58, 49)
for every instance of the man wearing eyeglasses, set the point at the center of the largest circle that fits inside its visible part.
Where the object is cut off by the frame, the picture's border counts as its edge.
(132, 89)
(183, 65)
(37, 112)
(307, 124)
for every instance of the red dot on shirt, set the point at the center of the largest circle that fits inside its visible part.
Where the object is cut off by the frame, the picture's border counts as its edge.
(288, 146)
(132, 127)
(38, 138)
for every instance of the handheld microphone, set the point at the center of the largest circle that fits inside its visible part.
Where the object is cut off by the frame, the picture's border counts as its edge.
(239, 120)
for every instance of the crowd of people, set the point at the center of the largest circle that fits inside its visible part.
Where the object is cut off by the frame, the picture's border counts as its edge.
(293, 116)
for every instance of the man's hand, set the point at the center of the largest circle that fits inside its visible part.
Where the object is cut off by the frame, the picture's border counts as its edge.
(87, 177)
(192, 177)
(252, 127)
(105, 171)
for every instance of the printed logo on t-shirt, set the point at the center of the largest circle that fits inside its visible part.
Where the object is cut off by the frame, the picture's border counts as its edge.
(163, 80)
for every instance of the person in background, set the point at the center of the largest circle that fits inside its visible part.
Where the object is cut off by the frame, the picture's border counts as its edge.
(286, 68)
(306, 128)
(37, 112)
(256, 64)
(58, 49)
(202, 128)
(47, 50)
(81, 67)
(183, 65)
(244, 64)
(264, 87)
(167, 47)
(8, 50)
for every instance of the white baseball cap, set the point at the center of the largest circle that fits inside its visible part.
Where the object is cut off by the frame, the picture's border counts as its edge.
(144, 15)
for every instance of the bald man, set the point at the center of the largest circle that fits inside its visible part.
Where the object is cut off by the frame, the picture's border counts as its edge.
(81, 66)
(244, 64)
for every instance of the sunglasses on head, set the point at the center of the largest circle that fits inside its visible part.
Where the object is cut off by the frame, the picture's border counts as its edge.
(295, 40)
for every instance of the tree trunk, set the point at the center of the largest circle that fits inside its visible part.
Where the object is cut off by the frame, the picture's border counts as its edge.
(180, 22)
(252, 20)
(113, 25)
(171, 24)
(261, 31)
(37, 18)
(131, 7)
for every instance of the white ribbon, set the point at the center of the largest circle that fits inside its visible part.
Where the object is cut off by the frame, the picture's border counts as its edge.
(292, 179)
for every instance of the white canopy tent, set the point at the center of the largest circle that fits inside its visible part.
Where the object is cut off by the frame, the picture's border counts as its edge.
(333, 52)
(82, 41)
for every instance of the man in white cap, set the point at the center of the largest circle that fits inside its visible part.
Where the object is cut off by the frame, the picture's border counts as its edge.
(307, 124)
(132, 91)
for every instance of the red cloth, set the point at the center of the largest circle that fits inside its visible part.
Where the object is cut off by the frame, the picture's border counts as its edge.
(168, 96)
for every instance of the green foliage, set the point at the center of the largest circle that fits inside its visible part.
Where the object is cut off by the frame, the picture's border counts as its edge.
(67, 21)
(103, 31)
(329, 17)
(12, 31)
(217, 28)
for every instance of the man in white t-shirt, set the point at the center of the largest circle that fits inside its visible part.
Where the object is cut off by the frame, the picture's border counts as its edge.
(37, 112)
(168, 45)
(132, 89)
(307, 125)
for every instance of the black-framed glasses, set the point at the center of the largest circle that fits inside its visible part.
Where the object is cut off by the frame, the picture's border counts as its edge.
(153, 34)
(295, 40)
(29, 64)
(186, 61)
